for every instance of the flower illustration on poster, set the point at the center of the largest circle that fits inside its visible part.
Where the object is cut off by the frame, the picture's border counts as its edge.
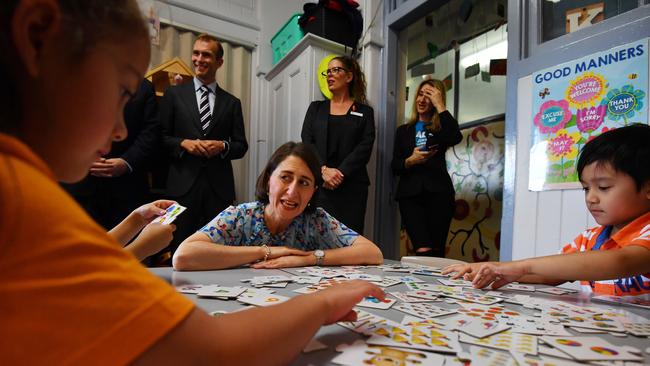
(578, 101)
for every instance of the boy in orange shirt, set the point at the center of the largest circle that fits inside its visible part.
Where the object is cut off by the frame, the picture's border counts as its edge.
(611, 259)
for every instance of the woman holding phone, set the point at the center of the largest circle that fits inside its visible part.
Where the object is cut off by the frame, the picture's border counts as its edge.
(425, 192)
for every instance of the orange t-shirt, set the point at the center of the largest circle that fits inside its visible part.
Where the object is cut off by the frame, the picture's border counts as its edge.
(635, 233)
(69, 294)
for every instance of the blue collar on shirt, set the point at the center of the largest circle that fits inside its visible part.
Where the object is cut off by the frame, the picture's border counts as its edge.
(602, 237)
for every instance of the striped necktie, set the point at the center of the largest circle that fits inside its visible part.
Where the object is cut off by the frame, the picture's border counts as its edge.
(204, 108)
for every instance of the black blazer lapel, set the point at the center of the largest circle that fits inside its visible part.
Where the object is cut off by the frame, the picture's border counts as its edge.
(219, 108)
(320, 128)
(189, 98)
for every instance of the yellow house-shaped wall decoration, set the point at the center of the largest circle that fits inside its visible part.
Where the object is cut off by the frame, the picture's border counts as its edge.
(172, 72)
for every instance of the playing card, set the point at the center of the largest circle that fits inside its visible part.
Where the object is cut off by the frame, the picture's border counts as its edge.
(637, 329)
(427, 272)
(475, 327)
(484, 356)
(372, 302)
(407, 278)
(506, 341)
(219, 292)
(427, 295)
(387, 282)
(360, 353)
(262, 300)
(311, 280)
(519, 287)
(320, 286)
(475, 297)
(525, 360)
(403, 297)
(590, 349)
(426, 286)
(170, 214)
(436, 340)
(423, 310)
(459, 282)
(553, 290)
(534, 326)
(599, 322)
(363, 276)
(366, 322)
(189, 289)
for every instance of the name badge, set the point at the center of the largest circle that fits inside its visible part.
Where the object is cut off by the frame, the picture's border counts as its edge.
(356, 114)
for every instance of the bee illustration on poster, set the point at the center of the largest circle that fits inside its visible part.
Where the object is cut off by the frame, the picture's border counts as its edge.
(578, 100)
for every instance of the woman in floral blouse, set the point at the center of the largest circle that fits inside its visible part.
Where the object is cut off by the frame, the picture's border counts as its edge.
(282, 228)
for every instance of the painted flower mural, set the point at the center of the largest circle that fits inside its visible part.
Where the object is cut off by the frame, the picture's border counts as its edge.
(623, 103)
(553, 115)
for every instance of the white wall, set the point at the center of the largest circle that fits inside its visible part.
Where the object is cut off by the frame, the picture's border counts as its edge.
(543, 221)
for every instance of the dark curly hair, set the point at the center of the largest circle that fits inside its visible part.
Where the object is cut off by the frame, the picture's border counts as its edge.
(298, 149)
(357, 86)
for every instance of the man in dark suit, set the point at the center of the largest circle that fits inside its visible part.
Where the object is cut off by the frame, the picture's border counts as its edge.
(118, 183)
(203, 130)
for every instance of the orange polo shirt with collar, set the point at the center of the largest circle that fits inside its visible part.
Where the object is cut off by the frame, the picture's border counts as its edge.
(635, 233)
(69, 294)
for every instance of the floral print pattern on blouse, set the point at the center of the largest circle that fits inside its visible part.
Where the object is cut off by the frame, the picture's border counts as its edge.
(244, 225)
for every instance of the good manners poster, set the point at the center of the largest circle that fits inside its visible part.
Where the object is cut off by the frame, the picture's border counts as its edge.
(578, 100)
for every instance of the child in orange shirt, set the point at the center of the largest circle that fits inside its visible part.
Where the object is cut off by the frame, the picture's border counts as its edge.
(69, 294)
(611, 259)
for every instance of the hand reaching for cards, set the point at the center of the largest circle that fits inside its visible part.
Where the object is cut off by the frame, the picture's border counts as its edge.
(153, 238)
(341, 298)
(486, 273)
(150, 211)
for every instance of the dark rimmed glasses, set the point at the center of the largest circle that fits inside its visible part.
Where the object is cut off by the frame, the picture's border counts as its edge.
(333, 71)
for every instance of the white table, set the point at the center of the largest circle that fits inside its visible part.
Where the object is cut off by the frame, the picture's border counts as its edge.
(334, 335)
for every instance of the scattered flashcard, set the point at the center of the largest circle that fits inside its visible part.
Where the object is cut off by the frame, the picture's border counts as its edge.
(590, 349)
(307, 280)
(372, 302)
(507, 341)
(387, 282)
(637, 329)
(260, 280)
(416, 322)
(189, 289)
(427, 295)
(408, 299)
(314, 345)
(534, 326)
(458, 282)
(475, 297)
(258, 291)
(624, 300)
(360, 353)
(485, 312)
(586, 330)
(427, 272)
(484, 356)
(363, 276)
(525, 360)
(262, 300)
(425, 286)
(423, 310)
(600, 322)
(478, 328)
(553, 290)
(519, 287)
(320, 286)
(170, 214)
(407, 278)
(216, 291)
(366, 322)
(436, 340)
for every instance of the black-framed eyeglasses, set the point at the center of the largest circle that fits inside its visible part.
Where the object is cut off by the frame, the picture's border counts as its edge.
(333, 71)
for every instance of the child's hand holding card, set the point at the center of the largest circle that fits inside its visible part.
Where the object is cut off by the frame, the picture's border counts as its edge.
(170, 215)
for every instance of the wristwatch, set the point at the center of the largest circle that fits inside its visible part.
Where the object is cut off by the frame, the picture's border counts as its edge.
(320, 256)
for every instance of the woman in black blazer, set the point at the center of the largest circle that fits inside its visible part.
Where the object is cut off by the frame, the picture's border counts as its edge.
(342, 132)
(425, 192)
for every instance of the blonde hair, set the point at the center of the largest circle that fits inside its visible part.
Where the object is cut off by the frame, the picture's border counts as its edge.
(435, 118)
